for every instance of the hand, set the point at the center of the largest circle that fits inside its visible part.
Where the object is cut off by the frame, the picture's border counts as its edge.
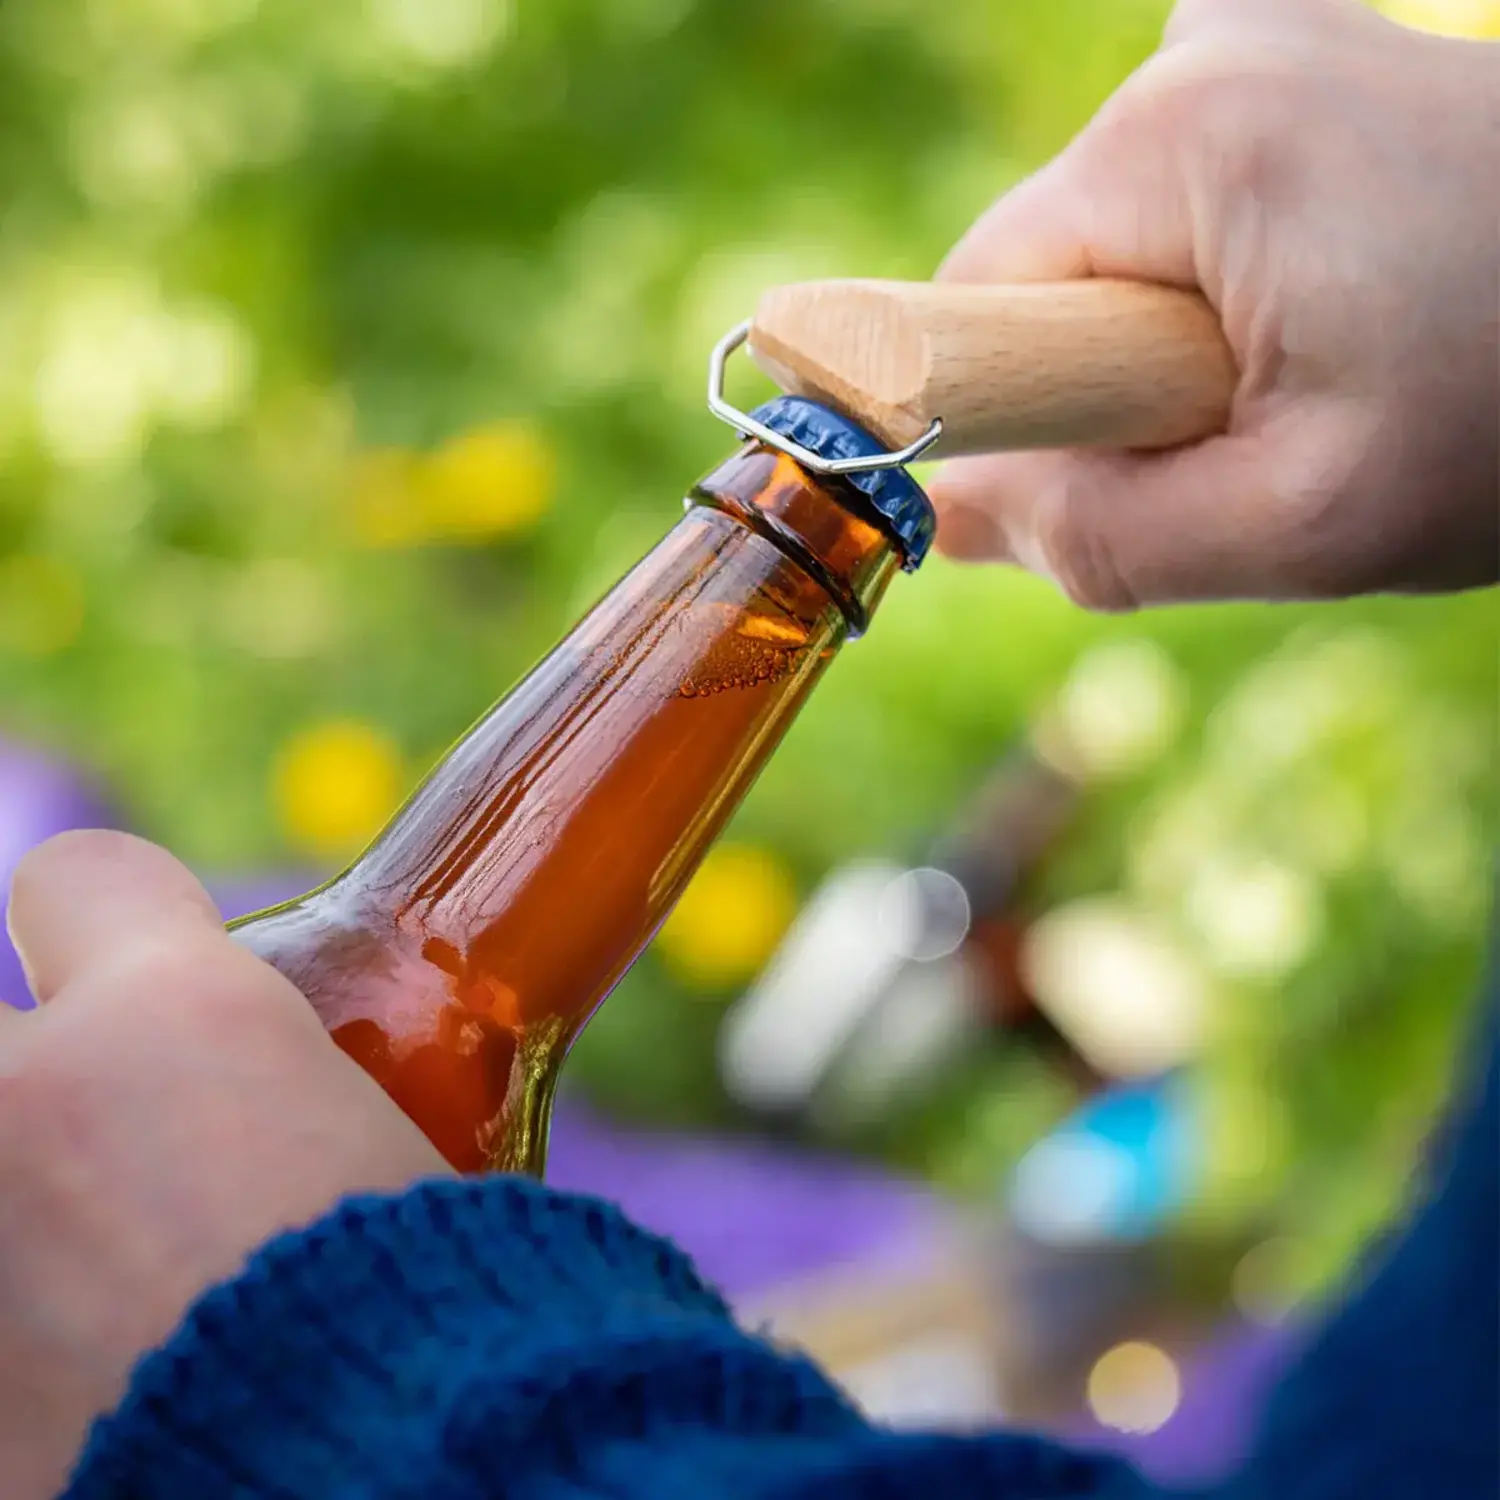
(173, 1103)
(1329, 181)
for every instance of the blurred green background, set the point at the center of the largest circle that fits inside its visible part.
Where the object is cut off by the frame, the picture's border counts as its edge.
(347, 351)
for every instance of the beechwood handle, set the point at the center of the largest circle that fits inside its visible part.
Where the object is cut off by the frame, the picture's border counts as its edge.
(1089, 363)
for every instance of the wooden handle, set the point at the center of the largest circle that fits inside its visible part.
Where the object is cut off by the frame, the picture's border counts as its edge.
(1092, 363)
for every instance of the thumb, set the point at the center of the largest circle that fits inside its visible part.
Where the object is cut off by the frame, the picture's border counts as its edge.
(82, 899)
(1116, 202)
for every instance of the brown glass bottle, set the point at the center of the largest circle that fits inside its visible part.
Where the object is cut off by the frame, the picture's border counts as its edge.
(458, 958)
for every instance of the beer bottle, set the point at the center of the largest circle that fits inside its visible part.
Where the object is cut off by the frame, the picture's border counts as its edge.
(460, 955)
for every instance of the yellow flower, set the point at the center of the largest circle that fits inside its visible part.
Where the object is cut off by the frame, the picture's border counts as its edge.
(730, 919)
(487, 482)
(41, 605)
(1479, 19)
(382, 499)
(335, 784)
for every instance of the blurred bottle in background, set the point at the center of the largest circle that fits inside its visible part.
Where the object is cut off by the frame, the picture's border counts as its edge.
(892, 972)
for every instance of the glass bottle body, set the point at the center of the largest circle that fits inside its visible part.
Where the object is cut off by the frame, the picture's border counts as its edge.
(458, 958)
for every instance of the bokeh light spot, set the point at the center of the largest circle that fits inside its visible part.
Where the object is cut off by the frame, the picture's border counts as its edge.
(1134, 1387)
(1121, 707)
(443, 33)
(204, 364)
(1117, 985)
(279, 608)
(1258, 919)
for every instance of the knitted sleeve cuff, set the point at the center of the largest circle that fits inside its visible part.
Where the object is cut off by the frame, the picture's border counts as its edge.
(398, 1337)
(473, 1340)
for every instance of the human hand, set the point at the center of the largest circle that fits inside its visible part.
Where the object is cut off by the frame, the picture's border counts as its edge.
(1329, 181)
(174, 1102)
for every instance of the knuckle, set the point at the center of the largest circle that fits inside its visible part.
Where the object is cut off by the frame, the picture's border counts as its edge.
(1191, 20)
(151, 971)
(1077, 555)
(1187, 20)
(1191, 82)
(1328, 546)
(186, 988)
(1222, 100)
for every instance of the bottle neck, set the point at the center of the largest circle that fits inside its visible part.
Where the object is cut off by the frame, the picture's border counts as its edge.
(815, 523)
(459, 956)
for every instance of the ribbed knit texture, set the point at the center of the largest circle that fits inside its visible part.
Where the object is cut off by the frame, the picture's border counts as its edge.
(493, 1338)
(470, 1340)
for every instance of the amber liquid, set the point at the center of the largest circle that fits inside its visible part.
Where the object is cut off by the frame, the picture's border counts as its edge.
(457, 959)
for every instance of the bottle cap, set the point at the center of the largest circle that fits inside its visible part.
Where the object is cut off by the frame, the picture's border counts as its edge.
(897, 499)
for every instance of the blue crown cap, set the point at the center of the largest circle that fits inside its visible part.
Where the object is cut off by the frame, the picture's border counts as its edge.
(895, 496)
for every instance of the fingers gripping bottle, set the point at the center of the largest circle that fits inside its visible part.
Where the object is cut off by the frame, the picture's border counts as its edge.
(460, 955)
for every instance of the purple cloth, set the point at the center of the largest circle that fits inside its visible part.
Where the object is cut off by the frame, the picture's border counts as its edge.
(39, 797)
(753, 1216)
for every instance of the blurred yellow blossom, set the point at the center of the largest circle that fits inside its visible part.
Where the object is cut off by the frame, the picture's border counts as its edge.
(1470, 18)
(484, 483)
(335, 784)
(487, 482)
(41, 605)
(731, 917)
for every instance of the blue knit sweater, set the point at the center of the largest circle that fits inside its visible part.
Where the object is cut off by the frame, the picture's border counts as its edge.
(473, 1340)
